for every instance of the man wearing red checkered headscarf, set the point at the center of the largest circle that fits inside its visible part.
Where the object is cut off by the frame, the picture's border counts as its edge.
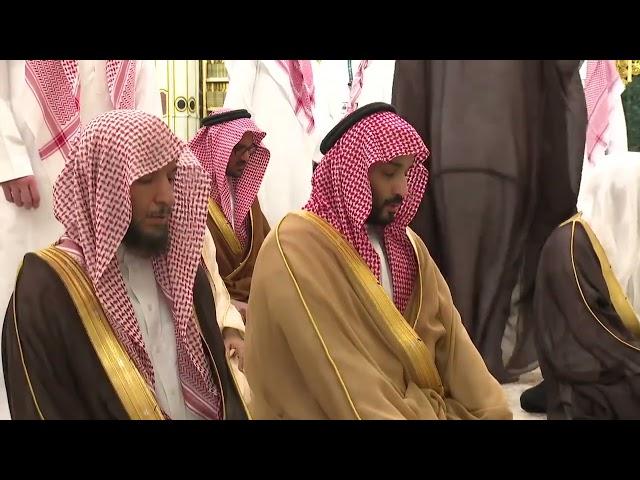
(229, 148)
(349, 318)
(285, 101)
(115, 321)
(43, 104)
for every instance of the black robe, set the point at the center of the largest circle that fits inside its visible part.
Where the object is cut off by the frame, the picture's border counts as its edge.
(506, 141)
(588, 372)
(66, 375)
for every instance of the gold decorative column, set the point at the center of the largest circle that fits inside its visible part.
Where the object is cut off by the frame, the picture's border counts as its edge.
(179, 81)
(628, 69)
(215, 81)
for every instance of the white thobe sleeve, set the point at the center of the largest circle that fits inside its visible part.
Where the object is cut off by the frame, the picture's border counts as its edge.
(14, 156)
(242, 78)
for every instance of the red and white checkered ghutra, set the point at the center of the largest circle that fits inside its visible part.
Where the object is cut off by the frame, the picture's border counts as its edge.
(92, 201)
(341, 193)
(212, 146)
(601, 85)
(301, 78)
(55, 84)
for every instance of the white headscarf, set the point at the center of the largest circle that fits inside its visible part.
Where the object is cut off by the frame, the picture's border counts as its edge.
(610, 202)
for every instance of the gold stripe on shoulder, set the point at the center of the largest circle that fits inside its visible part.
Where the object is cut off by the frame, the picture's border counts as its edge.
(619, 300)
(224, 227)
(132, 390)
(574, 218)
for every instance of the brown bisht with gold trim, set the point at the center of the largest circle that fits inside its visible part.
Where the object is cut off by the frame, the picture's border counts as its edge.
(62, 360)
(588, 335)
(72, 343)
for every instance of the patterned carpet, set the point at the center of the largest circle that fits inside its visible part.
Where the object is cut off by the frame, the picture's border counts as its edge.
(514, 390)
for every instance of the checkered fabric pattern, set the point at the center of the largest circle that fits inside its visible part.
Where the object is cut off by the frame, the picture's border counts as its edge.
(341, 193)
(301, 77)
(92, 201)
(212, 146)
(602, 82)
(55, 84)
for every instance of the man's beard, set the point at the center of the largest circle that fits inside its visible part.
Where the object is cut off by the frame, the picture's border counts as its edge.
(376, 216)
(234, 174)
(152, 244)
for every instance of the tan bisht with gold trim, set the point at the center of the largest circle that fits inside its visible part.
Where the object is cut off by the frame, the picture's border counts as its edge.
(324, 341)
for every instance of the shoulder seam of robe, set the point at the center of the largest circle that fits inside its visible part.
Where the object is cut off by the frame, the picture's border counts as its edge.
(225, 228)
(606, 273)
(404, 341)
(132, 390)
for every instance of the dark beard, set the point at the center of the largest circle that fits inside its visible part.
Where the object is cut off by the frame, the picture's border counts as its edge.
(156, 244)
(375, 217)
(232, 174)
